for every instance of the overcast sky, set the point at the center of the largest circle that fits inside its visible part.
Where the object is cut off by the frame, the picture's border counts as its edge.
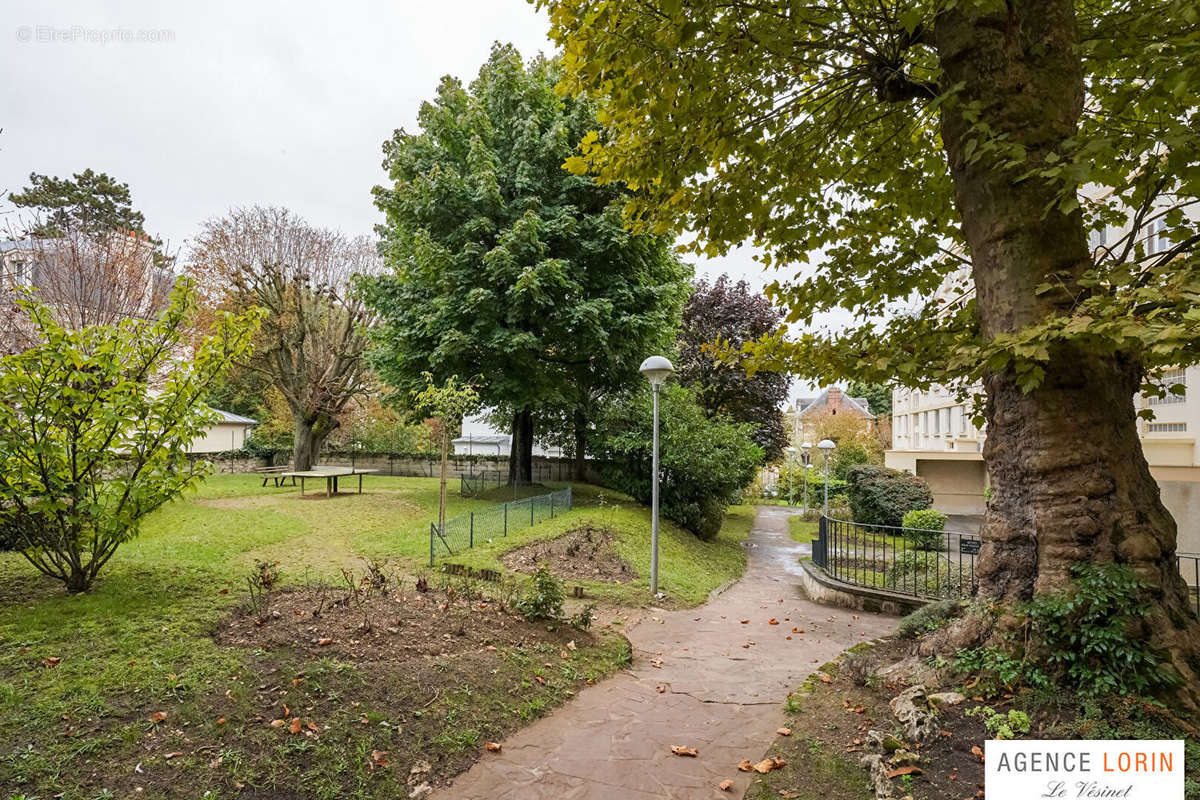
(207, 105)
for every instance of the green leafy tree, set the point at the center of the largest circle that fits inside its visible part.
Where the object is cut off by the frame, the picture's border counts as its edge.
(924, 143)
(87, 202)
(448, 401)
(95, 427)
(507, 267)
(706, 461)
(878, 395)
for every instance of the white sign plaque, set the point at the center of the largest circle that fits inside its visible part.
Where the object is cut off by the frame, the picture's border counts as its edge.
(1099, 769)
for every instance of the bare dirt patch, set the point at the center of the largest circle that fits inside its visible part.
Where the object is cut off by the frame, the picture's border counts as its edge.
(583, 553)
(357, 625)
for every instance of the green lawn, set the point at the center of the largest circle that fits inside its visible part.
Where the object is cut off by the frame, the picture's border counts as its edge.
(79, 675)
(802, 531)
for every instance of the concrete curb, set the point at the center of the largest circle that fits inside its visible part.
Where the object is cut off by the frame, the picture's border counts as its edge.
(820, 588)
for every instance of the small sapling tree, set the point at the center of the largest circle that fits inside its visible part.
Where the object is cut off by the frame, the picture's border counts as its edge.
(95, 427)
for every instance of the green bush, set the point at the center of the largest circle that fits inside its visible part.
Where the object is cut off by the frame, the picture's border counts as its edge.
(706, 462)
(847, 456)
(1085, 635)
(922, 528)
(881, 496)
(543, 598)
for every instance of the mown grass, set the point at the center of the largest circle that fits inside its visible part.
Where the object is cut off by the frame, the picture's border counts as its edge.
(79, 674)
(801, 531)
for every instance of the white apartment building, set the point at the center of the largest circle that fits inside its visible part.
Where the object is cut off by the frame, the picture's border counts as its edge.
(933, 435)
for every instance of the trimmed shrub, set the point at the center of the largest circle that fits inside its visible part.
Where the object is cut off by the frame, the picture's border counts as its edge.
(928, 618)
(881, 496)
(922, 528)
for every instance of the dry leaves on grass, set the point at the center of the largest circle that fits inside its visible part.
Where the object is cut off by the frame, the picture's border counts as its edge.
(158, 716)
(680, 750)
(492, 747)
(762, 767)
(379, 759)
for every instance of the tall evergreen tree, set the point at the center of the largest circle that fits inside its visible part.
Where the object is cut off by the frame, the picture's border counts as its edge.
(507, 269)
(87, 202)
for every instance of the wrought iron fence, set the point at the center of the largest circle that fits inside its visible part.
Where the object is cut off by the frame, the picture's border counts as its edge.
(914, 561)
(485, 525)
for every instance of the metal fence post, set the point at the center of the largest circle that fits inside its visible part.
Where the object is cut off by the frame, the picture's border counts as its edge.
(506, 519)
(431, 526)
(552, 505)
(532, 501)
(472, 529)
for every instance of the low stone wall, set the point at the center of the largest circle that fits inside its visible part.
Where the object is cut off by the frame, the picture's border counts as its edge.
(544, 468)
(821, 588)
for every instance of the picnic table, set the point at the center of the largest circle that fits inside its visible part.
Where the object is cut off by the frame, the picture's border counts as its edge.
(331, 475)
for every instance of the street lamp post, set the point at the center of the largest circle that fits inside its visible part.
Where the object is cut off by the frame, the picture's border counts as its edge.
(791, 451)
(825, 446)
(807, 461)
(656, 369)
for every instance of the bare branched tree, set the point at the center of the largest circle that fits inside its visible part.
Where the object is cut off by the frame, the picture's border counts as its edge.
(311, 343)
(83, 278)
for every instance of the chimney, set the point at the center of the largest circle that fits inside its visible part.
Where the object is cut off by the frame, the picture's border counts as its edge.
(834, 400)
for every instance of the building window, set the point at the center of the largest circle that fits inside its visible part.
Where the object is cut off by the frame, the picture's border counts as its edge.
(937, 428)
(962, 420)
(1157, 240)
(1172, 377)
(18, 271)
(946, 421)
(1168, 427)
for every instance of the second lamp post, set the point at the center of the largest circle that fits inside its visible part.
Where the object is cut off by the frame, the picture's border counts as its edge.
(656, 369)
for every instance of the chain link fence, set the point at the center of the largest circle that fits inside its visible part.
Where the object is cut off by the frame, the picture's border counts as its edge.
(485, 525)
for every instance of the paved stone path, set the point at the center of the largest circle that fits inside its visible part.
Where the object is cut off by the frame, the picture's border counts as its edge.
(717, 695)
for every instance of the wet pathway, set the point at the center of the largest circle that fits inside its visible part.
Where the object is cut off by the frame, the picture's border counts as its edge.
(700, 678)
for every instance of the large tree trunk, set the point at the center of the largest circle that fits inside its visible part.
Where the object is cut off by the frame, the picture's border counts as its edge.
(1070, 483)
(520, 457)
(307, 438)
(580, 454)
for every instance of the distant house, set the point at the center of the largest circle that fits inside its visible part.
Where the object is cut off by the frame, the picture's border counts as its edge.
(228, 433)
(831, 401)
(480, 438)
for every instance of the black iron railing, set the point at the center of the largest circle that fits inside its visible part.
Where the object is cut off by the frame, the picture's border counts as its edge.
(462, 532)
(913, 561)
(476, 483)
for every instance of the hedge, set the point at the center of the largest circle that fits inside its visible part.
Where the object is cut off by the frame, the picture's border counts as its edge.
(881, 496)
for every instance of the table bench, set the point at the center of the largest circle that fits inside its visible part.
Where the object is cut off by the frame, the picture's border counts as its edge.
(331, 475)
(277, 474)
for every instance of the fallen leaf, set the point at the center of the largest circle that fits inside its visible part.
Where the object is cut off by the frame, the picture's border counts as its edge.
(540, 679)
(276, 723)
(379, 758)
(768, 764)
(784, 731)
(898, 771)
(825, 677)
(492, 747)
(977, 752)
(312, 726)
(158, 716)
(297, 681)
(323, 641)
(571, 645)
(169, 756)
(680, 750)
(745, 765)
(772, 621)
(220, 720)
(656, 663)
(662, 688)
(745, 622)
(296, 725)
(491, 648)
(52, 661)
(725, 785)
